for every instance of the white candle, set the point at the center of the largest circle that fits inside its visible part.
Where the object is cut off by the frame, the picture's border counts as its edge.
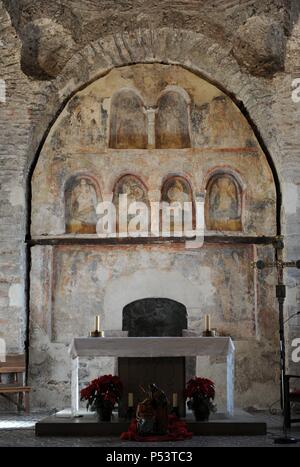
(207, 322)
(175, 399)
(130, 399)
(97, 323)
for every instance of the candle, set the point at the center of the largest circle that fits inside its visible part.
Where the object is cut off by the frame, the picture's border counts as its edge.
(175, 399)
(207, 322)
(130, 399)
(97, 323)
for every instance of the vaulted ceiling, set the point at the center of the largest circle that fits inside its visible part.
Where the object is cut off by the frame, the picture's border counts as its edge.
(255, 32)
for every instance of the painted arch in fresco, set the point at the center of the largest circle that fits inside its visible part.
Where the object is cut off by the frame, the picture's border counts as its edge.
(81, 197)
(223, 206)
(172, 120)
(128, 121)
(176, 189)
(136, 192)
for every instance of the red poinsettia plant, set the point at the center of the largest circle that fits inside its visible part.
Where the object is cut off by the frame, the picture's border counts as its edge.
(105, 390)
(200, 387)
(200, 391)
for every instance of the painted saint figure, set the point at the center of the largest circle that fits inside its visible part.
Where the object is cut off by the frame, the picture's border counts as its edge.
(136, 193)
(81, 208)
(177, 192)
(223, 210)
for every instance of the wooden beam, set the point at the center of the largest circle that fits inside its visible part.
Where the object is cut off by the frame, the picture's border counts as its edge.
(209, 239)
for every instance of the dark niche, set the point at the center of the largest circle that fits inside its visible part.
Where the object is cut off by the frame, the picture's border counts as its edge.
(154, 317)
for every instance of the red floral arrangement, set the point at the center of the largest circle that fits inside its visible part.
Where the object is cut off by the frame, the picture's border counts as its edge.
(200, 387)
(200, 393)
(106, 389)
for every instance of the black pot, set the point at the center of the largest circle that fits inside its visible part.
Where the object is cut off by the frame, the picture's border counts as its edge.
(104, 412)
(201, 410)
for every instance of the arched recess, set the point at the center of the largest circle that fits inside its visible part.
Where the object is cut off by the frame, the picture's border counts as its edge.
(128, 122)
(172, 119)
(184, 48)
(162, 91)
(224, 203)
(160, 280)
(154, 316)
(81, 195)
(177, 189)
(136, 192)
(164, 45)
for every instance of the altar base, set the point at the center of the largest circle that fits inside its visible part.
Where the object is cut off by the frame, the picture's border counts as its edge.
(86, 424)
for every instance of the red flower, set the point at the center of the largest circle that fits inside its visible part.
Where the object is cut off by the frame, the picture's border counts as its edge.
(202, 387)
(105, 388)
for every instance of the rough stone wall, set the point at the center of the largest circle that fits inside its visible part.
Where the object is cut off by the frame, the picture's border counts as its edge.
(50, 34)
(197, 35)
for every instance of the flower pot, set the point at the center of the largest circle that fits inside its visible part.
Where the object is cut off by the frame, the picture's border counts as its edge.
(104, 412)
(201, 410)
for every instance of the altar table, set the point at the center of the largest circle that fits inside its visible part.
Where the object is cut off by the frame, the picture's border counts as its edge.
(152, 347)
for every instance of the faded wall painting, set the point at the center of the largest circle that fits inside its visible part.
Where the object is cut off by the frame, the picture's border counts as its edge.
(126, 111)
(224, 127)
(83, 124)
(80, 206)
(136, 193)
(223, 204)
(172, 122)
(177, 190)
(128, 124)
(99, 141)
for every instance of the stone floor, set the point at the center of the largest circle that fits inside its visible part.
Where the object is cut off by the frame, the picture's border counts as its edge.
(18, 430)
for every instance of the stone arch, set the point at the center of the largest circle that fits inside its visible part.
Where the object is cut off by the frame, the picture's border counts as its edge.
(164, 45)
(224, 202)
(81, 195)
(190, 56)
(172, 120)
(128, 122)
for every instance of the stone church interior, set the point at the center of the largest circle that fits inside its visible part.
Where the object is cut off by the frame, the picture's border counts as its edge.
(150, 227)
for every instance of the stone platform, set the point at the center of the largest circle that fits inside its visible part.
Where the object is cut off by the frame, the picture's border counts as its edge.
(86, 424)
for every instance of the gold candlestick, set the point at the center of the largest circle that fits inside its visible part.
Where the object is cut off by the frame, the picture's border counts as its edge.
(208, 331)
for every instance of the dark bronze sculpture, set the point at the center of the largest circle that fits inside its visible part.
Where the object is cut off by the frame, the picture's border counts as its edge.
(152, 412)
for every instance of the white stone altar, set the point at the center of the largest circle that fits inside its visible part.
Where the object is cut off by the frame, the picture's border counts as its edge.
(153, 347)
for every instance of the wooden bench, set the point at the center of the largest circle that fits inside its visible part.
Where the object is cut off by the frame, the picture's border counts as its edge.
(15, 366)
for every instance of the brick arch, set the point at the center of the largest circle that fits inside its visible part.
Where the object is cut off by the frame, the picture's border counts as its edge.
(191, 50)
(194, 52)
